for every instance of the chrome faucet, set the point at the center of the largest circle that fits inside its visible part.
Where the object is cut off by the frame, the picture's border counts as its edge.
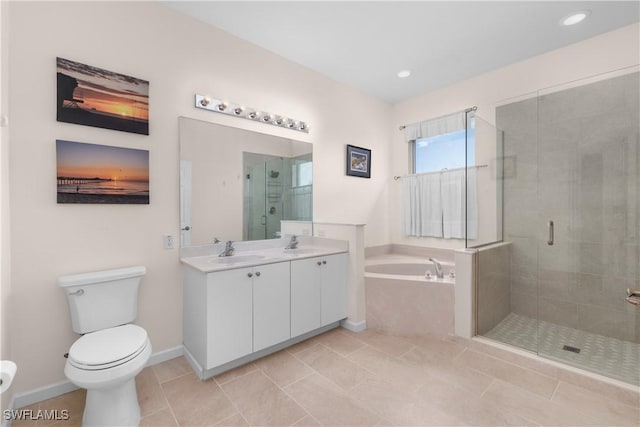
(438, 266)
(293, 243)
(228, 249)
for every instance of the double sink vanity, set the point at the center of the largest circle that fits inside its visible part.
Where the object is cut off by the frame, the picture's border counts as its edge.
(259, 299)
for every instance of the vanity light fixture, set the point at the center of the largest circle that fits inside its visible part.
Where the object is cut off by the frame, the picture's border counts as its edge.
(237, 110)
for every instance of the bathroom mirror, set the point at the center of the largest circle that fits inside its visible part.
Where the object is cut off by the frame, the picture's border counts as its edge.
(237, 184)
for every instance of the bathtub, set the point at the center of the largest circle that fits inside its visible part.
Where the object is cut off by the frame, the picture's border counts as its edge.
(400, 299)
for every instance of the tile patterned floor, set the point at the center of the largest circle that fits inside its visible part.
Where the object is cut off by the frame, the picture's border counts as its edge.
(374, 379)
(604, 355)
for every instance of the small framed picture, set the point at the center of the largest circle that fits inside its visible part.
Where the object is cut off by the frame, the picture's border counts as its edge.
(358, 161)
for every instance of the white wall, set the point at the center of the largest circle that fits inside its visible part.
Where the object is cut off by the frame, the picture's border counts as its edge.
(179, 56)
(5, 254)
(602, 54)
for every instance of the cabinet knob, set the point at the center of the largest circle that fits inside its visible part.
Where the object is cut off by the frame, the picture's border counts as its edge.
(319, 263)
(324, 262)
(250, 274)
(258, 273)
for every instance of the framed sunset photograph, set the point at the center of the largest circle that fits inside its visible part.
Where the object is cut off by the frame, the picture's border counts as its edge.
(358, 161)
(101, 174)
(96, 97)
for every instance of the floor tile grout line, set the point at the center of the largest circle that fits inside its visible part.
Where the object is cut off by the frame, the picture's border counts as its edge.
(171, 411)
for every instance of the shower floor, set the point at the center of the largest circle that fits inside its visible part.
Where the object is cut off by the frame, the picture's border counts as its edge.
(607, 356)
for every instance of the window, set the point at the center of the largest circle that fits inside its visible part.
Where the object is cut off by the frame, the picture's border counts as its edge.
(302, 173)
(445, 151)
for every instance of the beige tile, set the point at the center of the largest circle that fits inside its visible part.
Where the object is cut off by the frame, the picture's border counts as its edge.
(307, 421)
(464, 405)
(607, 411)
(283, 368)
(438, 348)
(329, 404)
(515, 358)
(390, 369)
(303, 345)
(397, 407)
(162, 418)
(172, 369)
(340, 342)
(622, 395)
(330, 364)
(516, 401)
(236, 420)
(261, 401)
(150, 395)
(197, 403)
(521, 377)
(393, 345)
(461, 376)
(235, 373)
(72, 402)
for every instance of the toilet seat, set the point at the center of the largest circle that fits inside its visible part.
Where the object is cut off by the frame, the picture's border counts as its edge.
(108, 348)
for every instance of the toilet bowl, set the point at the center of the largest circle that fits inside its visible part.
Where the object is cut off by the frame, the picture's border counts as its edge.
(111, 352)
(106, 363)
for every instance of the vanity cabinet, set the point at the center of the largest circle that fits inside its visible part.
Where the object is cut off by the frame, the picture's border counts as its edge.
(318, 292)
(230, 314)
(271, 305)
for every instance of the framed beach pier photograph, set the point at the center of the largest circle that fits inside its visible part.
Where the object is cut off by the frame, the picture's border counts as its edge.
(101, 174)
(92, 96)
(358, 161)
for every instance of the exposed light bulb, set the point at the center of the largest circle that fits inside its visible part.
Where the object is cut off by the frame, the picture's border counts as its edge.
(238, 110)
(205, 101)
(222, 106)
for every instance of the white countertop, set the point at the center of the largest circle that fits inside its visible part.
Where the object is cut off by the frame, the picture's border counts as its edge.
(247, 254)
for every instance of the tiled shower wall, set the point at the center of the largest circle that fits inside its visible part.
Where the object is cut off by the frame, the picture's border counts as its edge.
(494, 293)
(573, 156)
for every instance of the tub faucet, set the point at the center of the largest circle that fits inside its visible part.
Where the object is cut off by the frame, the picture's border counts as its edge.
(293, 243)
(228, 249)
(438, 266)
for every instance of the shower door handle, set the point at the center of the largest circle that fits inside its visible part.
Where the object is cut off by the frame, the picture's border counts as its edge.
(550, 239)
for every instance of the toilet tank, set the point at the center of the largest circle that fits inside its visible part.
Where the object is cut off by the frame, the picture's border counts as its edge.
(102, 299)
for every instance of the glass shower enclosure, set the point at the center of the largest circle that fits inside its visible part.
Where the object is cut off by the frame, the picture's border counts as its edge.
(557, 285)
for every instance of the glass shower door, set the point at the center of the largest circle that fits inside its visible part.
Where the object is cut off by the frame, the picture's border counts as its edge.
(588, 225)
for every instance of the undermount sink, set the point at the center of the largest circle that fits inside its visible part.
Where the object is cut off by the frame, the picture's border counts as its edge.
(235, 259)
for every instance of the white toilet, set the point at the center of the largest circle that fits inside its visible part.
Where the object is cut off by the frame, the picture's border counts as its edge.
(106, 359)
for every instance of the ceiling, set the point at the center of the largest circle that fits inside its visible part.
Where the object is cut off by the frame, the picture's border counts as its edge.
(365, 44)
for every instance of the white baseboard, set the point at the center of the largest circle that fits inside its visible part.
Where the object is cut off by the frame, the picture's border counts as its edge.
(50, 391)
(354, 326)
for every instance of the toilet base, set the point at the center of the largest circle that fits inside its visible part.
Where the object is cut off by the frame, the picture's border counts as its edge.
(113, 406)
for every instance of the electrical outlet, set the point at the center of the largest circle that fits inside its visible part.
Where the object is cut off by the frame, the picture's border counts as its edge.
(168, 242)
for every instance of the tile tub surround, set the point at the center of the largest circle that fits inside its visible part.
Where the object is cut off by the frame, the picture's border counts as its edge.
(406, 302)
(374, 378)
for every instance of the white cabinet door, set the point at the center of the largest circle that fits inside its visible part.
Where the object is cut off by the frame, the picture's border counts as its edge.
(271, 305)
(229, 316)
(334, 288)
(305, 295)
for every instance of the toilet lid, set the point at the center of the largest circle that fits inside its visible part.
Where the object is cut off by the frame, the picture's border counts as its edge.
(98, 349)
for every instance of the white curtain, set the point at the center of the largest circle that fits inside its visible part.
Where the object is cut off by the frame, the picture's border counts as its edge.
(440, 126)
(422, 205)
(454, 220)
(434, 204)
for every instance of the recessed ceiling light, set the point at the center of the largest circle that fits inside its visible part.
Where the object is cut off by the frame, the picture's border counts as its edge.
(575, 18)
(404, 73)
